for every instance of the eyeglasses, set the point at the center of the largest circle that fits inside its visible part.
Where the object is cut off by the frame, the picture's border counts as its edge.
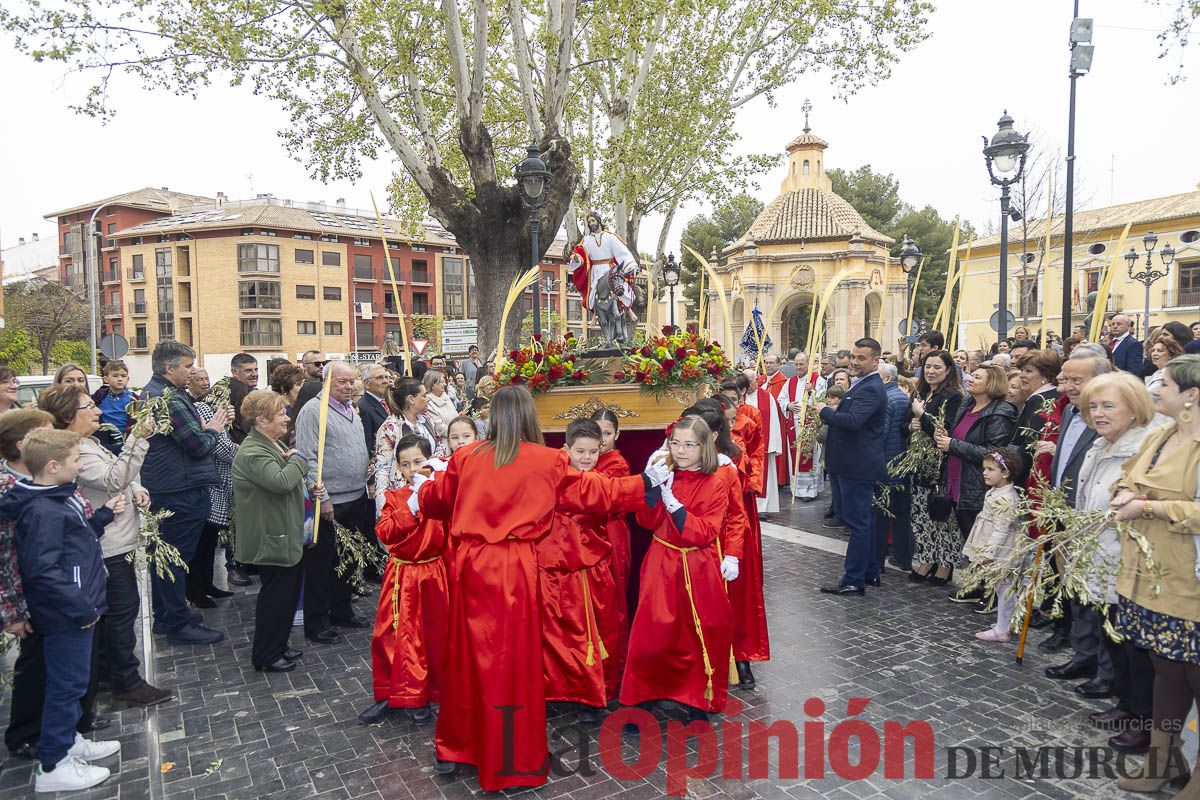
(685, 445)
(87, 407)
(14, 383)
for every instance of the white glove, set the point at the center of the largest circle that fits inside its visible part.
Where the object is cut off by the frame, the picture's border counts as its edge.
(724, 459)
(417, 481)
(669, 500)
(657, 472)
(437, 464)
(729, 568)
(414, 505)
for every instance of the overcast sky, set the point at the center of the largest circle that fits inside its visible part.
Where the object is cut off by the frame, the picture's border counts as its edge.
(1135, 134)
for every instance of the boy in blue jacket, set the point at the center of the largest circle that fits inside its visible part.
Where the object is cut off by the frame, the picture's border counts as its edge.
(62, 569)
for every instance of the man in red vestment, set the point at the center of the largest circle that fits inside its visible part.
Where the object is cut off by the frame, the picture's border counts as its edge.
(807, 477)
(776, 467)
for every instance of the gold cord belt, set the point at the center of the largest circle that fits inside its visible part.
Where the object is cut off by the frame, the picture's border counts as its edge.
(396, 588)
(687, 582)
(589, 616)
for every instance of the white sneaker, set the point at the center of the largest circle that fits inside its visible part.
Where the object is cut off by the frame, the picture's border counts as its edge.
(298, 620)
(93, 751)
(69, 775)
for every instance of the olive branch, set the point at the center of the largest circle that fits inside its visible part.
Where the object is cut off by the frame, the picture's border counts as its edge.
(355, 553)
(152, 549)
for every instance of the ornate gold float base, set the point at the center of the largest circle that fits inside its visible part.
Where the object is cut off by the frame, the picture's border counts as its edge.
(635, 410)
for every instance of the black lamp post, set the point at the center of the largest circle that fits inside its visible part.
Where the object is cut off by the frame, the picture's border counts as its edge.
(910, 257)
(671, 278)
(1081, 62)
(1005, 159)
(532, 177)
(1149, 275)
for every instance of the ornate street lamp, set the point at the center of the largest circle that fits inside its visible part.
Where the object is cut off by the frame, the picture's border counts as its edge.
(1149, 275)
(1005, 159)
(532, 177)
(671, 278)
(910, 257)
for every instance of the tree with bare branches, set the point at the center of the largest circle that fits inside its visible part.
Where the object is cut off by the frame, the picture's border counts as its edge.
(48, 312)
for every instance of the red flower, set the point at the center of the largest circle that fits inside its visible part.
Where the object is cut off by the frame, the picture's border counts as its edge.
(668, 364)
(619, 375)
(555, 372)
(668, 330)
(646, 351)
(713, 369)
(537, 337)
(517, 379)
(681, 353)
(512, 355)
(639, 377)
(537, 357)
(579, 375)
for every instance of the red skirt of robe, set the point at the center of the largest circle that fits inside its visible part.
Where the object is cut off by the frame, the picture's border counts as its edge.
(614, 465)
(408, 645)
(576, 583)
(666, 660)
(750, 641)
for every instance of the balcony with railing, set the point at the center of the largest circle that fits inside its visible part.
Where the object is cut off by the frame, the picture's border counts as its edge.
(111, 276)
(110, 310)
(137, 309)
(1177, 298)
(1116, 302)
(139, 342)
(135, 274)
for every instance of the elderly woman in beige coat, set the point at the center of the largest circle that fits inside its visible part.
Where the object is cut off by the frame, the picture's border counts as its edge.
(102, 475)
(1118, 407)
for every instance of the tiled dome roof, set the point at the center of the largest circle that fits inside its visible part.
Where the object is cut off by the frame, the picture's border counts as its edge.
(811, 214)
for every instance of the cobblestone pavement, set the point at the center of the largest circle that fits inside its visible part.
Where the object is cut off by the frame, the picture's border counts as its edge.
(235, 733)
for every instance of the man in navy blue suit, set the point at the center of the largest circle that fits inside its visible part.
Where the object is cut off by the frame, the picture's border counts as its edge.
(854, 453)
(1126, 350)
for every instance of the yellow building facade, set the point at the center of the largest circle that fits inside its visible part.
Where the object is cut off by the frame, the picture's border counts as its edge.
(1035, 276)
(802, 241)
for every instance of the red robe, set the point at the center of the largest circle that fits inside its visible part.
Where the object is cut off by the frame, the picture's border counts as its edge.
(783, 461)
(576, 583)
(408, 646)
(750, 641)
(748, 433)
(495, 659)
(668, 658)
(614, 465)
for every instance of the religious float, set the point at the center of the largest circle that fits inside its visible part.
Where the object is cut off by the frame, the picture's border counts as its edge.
(646, 384)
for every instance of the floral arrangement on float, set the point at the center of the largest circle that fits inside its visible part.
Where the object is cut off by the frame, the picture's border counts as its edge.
(543, 365)
(677, 359)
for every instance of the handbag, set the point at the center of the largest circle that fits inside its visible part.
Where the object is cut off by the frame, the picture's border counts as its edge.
(940, 507)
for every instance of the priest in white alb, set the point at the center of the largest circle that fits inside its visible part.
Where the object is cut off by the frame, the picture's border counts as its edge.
(800, 392)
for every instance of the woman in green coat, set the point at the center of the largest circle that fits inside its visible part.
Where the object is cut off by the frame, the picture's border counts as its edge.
(268, 493)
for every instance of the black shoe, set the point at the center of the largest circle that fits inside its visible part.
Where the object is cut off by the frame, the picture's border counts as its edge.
(219, 594)
(830, 513)
(239, 577)
(99, 723)
(24, 750)
(696, 715)
(934, 580)
(1056, 642)
(324, 637)
(834, 524)
(292, 654)
(355, 621)
(1075, 668)
(843, 588)
(420, 715)
(444, 767)
(984, 607)
(916, 577)
(962, 596)
(375, 714)
(745, 676)
(1095, 689)
(875, 582)
(202, 602)
(278, 665)
(1039, 620)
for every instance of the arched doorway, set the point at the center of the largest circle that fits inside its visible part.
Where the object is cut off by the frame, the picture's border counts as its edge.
(794, 323)
(872, 308)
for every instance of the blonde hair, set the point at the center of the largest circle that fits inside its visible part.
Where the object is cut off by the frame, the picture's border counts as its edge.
(997, 380)
(43, 445)
(1131, 391)
(262, 404)
(708, 445)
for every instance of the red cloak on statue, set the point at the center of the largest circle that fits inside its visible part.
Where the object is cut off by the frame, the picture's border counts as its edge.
(493, 708)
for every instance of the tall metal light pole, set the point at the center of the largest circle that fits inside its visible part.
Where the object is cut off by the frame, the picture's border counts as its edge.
(910, 257)
(532, 177)
(91, 273)
(671, 278)
(1005, 160)
(1081, 62)
(1149, 275)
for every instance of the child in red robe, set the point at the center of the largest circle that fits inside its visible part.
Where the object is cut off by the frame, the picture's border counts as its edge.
(579, 624)
(683, 628)
(750, 641)
(614, 465)
(408, 645)
(500, 496)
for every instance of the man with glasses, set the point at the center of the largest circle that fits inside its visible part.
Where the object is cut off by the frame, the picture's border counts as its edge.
(313, 363)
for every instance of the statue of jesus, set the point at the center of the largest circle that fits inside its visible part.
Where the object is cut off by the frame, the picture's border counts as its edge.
(603, 270)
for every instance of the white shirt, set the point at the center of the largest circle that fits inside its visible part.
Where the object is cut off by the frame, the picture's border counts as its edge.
(1067, 442)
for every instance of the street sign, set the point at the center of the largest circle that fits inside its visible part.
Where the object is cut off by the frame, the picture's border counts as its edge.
(458, 335)
(995, 321)
(114, 346)
(419, 345)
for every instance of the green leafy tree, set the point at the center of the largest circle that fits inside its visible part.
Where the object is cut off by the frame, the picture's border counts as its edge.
(725, 226)
(48, 312)
(71, 351)
(16, 351)
(875, 196)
